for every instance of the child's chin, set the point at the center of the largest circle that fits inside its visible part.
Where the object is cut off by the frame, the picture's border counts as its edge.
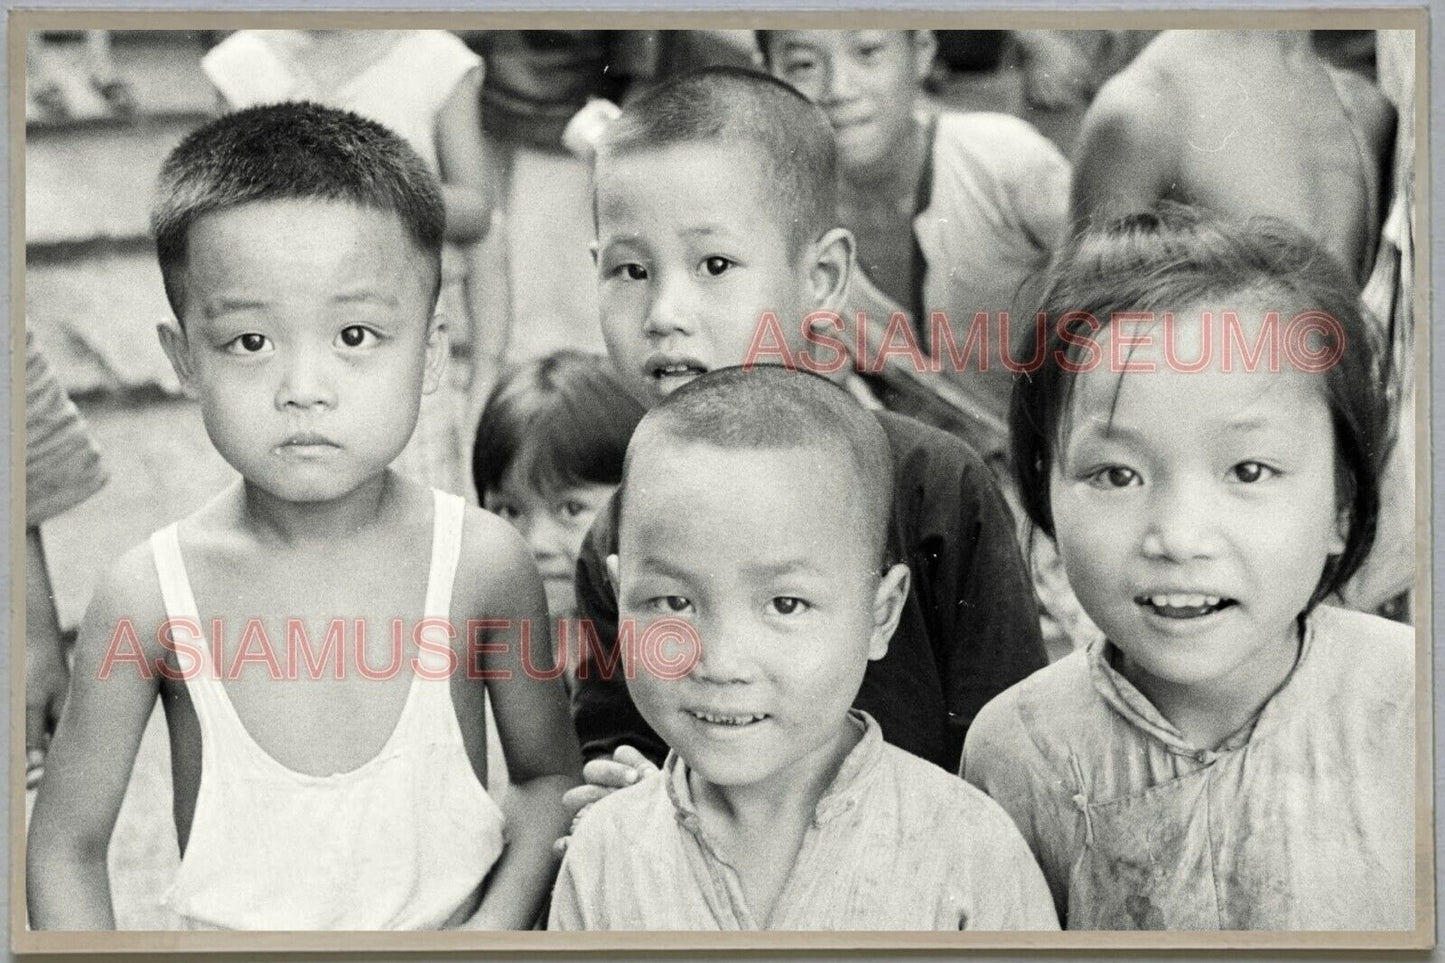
(730, 772)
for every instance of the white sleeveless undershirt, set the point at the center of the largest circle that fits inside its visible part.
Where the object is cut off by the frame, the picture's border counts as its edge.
(400, 842)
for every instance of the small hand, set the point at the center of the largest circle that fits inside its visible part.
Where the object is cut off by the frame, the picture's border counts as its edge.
(601, 778)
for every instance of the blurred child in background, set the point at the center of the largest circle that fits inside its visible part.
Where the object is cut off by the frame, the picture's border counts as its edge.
(548, 456)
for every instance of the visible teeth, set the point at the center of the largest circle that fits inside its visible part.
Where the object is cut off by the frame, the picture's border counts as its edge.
(675, 369)
(1183, 601)
(727, 720)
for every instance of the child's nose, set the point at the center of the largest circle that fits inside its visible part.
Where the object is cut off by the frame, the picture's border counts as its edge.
(305, 383)
(839, 82)
(672, 310)
(726, 652)
(1181, 524)
(545, 537)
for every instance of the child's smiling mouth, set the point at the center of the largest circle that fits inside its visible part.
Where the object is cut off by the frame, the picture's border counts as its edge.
(1183, 605)
(732, 720)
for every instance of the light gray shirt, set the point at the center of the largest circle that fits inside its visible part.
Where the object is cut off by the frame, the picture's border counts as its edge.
(1302, 820)
(896, 843)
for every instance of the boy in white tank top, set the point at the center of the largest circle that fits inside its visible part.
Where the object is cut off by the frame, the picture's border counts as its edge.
(322, 630)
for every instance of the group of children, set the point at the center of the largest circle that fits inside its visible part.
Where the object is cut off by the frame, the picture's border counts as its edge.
(848, 623)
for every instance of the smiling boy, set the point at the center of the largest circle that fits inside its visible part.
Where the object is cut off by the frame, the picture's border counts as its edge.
(780, 807)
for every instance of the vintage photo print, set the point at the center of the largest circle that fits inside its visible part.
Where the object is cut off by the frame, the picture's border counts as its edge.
(742, 480)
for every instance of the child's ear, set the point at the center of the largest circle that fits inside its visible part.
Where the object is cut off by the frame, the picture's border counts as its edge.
(613, 571)
(888, 608)
(925, 48)
(177, 349)
(438, 347)
(832, 269)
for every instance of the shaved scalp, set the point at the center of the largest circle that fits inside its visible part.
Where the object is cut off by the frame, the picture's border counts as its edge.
(731, 106)
(772, 408)
(292, 151)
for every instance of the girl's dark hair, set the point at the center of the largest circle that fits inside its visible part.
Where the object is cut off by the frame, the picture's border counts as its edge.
(1176, 257)
(567, 413)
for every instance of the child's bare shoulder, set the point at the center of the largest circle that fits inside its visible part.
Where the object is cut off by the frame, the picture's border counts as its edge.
(126, 609)
(495, 570)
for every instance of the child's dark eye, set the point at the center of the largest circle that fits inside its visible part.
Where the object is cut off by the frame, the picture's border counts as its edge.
(1249, 472)
(506, 512)
(1115, 476)
(573, 508)
(633, 272)
(354, 335)
(716, 265)
(869, 52)
(670, 603)
(788, 605)
(248, 343)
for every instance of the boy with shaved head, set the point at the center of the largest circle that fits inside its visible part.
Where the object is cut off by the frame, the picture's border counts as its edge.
(755, 508)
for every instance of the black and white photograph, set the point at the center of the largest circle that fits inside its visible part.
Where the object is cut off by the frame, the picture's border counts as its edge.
(871, 475)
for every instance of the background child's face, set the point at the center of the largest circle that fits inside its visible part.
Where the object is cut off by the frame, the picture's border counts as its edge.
(762, 553)
(866, 81)
(690, 253)
(308, 340)
(1195, 511)
(554, 522)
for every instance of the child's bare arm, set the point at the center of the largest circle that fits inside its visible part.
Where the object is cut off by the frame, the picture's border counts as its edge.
(1126, 159)
(535, 729)
(95, 746)
(459, 151)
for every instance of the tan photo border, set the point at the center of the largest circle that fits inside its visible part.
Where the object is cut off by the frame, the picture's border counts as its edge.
(1422, 937)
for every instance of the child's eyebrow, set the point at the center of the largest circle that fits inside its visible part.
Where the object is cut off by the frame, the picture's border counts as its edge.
(787, 567)
(1248, 424)
(364, 297)
(662, 565)
(224, 304)
(705, 230)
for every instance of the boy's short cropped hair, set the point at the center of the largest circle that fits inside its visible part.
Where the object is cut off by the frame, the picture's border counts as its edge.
(1176, 256)
(733, 105)
(772, 408)
(291, 151)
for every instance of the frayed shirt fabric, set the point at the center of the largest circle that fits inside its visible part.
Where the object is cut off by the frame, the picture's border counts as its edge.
(896, 844)
(1303, 820)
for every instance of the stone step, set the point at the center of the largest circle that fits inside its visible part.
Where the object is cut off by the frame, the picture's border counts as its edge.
(92, 183)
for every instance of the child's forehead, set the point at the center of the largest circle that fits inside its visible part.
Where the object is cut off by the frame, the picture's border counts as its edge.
(702, 178)
(758, 490)
(281, 221)
(268, 251)
(1169, 400)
